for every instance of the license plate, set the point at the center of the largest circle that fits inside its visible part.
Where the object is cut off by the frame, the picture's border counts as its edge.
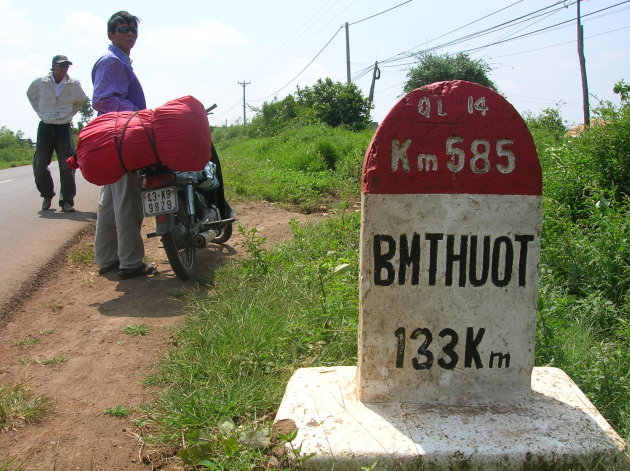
(161, 201)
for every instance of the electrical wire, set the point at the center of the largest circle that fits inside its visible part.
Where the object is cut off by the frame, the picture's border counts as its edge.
(275, 56)
(560, 44)
(305, 67)
(326, 45)
(384, 11)
(406, 54)
(541, 29)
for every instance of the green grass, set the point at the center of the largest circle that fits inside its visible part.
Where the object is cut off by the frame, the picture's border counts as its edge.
(300, 167)
(276, 311)
(54, 307)
(20, 406)
(16, 157)
(137, 330)
(53, 361)
(48, 361)
(117, 411)
(83, 255)
(26, 342)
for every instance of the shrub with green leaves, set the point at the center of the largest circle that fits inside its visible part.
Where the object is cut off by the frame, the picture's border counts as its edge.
(334, 104)
(596, 160)
(584, 306)
(298, 167)
(14, 151)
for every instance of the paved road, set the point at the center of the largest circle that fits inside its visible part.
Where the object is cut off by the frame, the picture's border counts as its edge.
(29, 237)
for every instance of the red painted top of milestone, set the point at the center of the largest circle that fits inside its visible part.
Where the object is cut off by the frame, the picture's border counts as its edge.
(452, 137)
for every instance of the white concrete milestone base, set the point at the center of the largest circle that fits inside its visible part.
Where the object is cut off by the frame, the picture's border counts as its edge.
(557, 428)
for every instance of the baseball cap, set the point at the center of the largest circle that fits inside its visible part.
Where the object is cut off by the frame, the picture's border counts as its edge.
(59, 59)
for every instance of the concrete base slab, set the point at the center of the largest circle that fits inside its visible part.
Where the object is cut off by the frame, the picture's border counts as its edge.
(557, 428)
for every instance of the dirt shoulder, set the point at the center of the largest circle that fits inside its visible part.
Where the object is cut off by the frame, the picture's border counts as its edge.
(77, 321)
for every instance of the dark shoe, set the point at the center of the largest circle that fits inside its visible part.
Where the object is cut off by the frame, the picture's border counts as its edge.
(46, 204)
(229, 212)
(67, 208)
(143, 270)
(107, 269)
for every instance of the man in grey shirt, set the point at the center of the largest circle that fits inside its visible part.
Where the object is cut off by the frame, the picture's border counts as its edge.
(56, 98)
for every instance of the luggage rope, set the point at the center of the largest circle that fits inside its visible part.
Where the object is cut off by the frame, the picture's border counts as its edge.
(119, 140)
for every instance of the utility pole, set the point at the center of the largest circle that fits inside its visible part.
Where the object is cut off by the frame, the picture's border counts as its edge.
(580, 42)
(376, 74)
(348, 53)
(244, 84)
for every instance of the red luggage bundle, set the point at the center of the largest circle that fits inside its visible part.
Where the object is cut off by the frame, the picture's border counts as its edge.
(175, 134)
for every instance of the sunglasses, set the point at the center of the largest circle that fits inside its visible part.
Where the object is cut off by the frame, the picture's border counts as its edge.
(65, 65)
(126, 29)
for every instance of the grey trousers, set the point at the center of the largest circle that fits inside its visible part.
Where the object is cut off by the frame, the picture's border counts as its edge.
(118, 224)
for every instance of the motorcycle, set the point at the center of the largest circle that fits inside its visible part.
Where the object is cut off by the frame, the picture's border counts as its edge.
(190, 210)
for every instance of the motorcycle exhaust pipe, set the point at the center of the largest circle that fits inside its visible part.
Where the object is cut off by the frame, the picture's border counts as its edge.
(202, 239)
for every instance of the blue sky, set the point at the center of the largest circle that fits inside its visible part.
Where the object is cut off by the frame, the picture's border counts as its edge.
(204, 48)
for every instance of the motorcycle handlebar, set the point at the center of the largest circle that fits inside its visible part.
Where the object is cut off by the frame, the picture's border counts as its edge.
(210, 108)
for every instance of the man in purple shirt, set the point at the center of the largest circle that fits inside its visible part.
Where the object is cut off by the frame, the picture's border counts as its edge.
(118, 242)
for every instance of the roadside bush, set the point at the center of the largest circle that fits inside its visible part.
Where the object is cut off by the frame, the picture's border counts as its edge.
(548, 128)
(227, 135)
(275, 116)
(606, 145)
(14, 151)
(593, 253)
(583, 305)
(297, 166)
(334, 104)
(597, 160)
(337, 104)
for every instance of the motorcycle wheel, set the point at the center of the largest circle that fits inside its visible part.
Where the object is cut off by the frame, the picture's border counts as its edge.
(224, 235)
(179, 245)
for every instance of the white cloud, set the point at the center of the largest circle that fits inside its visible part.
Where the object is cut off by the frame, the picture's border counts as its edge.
(82, 24)
(191, 44)
(16, 29)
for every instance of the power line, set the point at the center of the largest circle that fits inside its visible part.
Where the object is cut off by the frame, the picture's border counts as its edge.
(543, 29)
(477, 34)
(326, 45)
(560, 44)
(529, 17)
(406, 54)
(384, 11)
(305, 67)
(300, 32)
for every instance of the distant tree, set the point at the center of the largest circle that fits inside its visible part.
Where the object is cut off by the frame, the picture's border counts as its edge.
(86, 112)
(272, 116)
(437, 68)
(337, 104)
(9, 138)
(623, 90)
(332, 103)
(14, 150)
(548, 120)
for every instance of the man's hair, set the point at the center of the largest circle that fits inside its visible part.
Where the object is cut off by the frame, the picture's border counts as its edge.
(123, 17)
